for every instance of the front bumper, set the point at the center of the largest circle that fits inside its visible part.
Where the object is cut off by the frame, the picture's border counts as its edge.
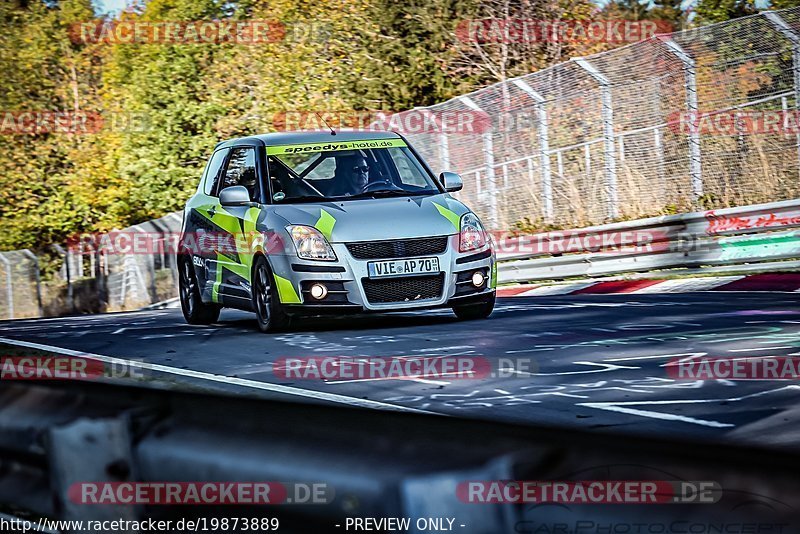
(350, 290)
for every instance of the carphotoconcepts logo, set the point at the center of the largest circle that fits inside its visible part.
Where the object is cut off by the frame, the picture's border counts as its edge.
(70, 122)
(739, 368)
(200, 493)
(415, 121)
(243, 32)
(588, 492)
(64, 368)
(204, 244)
(735, 122)
(517, 30)
(402, 368)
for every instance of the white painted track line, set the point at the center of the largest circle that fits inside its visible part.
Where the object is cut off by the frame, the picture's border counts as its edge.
(266, 386)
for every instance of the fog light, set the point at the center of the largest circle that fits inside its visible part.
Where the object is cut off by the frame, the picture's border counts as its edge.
(319, 291)
(478, 279)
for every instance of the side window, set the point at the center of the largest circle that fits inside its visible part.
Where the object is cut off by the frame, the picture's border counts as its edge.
(242, 171)
(212, 171)
(409, 174)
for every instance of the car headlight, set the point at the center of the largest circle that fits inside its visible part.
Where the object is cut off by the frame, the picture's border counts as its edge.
(310, 243)
(472, 235)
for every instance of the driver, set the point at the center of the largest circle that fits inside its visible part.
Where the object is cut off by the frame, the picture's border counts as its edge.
(352, 175)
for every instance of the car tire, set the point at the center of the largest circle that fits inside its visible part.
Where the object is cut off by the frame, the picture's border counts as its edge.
(479, 310)
(270, 315)
(195, 311)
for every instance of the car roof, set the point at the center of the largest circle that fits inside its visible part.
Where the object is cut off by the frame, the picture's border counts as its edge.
(299, 138)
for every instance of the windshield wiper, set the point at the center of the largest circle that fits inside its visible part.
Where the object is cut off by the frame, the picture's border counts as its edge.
(387, 193)
(289, 200)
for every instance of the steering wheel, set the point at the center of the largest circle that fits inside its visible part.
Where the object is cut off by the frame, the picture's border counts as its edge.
(380, 184)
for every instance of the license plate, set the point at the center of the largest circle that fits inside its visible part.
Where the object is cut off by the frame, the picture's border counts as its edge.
(380, 269)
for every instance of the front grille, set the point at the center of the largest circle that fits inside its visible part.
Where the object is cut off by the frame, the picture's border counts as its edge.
(401, 248)
(405, 289)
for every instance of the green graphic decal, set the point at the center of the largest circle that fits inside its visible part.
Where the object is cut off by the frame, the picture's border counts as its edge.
(493, 283)
(286, 292)
(449, 215)
(333, 146)
(221, 218)
(217, 282)
(245, 243)
(325, 223)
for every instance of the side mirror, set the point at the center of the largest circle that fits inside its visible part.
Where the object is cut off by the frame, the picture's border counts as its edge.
(452, 181)
(234, 195)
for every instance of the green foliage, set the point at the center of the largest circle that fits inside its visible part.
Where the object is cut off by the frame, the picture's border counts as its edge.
(783, 4)
(721, 10)
(336, 55)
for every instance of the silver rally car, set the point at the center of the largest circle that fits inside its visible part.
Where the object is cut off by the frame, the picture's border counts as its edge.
(287, 224)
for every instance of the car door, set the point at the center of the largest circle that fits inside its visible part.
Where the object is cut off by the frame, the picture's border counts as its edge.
(235, 255)
(200, 231)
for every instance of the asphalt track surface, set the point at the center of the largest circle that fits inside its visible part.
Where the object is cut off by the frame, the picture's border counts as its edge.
(599, 359)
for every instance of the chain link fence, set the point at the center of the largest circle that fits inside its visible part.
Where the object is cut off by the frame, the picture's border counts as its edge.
(678, 122)
(76, 278)
(668, 125)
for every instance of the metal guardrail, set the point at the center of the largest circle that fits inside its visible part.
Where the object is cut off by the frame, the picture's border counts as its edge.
(732, 237)
(55, 434)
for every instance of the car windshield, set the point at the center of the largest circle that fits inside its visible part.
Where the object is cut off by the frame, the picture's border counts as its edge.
(346, 170)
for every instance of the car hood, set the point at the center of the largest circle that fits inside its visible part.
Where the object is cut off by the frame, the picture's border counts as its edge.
(379, 218)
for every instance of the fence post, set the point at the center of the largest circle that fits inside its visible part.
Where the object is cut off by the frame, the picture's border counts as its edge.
(794, 38)
(151, 268)
(33, 257)
(690, 83)
(610, 160)
(444, 146)
(67, 273)
(9, 286)
(544, 147)
(488, 154)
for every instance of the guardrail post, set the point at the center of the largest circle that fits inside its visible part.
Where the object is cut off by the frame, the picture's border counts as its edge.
(544, 147)
(690, 83)
(794, 38)
(488, 154)
(9, 287)
(608, 135)
(68, 275)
